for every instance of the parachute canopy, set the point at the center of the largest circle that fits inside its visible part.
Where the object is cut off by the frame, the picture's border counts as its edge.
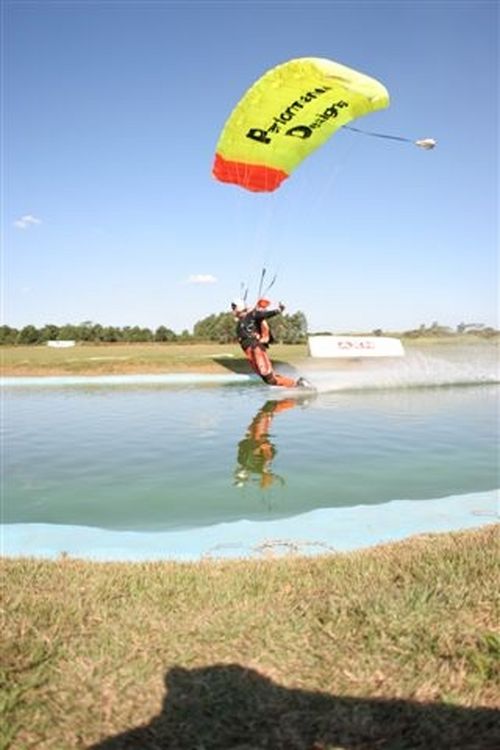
(286, 115)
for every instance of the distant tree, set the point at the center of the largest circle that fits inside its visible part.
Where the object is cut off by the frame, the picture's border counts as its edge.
(289, 329)
(138, 335)
(226, 331)
(219, 328)
(96, 332)
(206, 328)
(296, 328)
(49, 332)
(28, 335)
(163, 334)
(69, 332)
(85, 331)
(110, 334)
(129, 334)
(8, 335)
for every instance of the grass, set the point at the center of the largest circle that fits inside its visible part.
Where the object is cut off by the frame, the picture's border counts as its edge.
(95, 359)
(98, 359)
(394, 648)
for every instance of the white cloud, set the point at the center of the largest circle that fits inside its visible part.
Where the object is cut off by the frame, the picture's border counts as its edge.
(26, 221)
(202, 278)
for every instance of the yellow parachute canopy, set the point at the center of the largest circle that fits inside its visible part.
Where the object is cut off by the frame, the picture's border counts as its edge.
(287, 114)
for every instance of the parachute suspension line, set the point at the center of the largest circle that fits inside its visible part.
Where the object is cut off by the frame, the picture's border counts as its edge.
(261, 292)
(270, 285)
(265, 229)
(261, 282)
(425, 143)
(258, 246)
(379, 135)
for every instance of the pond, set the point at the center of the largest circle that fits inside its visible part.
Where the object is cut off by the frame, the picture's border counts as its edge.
(185, 467)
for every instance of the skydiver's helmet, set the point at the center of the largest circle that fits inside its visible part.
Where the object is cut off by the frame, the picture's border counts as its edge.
(238, 305)
(263, 303)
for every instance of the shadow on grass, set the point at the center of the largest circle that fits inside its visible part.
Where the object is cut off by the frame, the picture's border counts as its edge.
(241, 366)
(228, 707)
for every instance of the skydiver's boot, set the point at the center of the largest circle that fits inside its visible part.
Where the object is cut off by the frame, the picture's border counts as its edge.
(303, 383)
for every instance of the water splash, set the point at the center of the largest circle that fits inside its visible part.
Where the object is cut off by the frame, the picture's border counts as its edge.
(416, 370)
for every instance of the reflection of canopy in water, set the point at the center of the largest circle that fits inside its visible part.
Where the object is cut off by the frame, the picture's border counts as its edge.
(286, 115)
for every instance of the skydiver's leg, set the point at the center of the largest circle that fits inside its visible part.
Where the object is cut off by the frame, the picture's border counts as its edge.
(263, 364)
(250, 355)
(283, 381)
(266, 372)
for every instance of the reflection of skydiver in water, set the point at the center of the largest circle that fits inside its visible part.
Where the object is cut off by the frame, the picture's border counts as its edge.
(256, 451)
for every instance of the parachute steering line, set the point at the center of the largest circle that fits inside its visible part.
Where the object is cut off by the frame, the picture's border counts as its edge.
(262, 291)
(261, 282)
(244, 291)
(425, 143)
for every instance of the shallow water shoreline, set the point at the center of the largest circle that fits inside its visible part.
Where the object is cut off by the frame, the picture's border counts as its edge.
(316, 532)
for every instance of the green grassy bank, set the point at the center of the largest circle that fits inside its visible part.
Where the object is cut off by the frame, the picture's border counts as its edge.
(104, 359)
(100, 359)
(394, 648)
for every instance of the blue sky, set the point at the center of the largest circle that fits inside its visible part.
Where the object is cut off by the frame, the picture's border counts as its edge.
(111, 113)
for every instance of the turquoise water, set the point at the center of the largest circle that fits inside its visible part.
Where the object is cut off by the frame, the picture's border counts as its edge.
(96, 462)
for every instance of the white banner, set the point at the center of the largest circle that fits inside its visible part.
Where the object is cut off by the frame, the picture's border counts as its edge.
(61, 344)
(353, 347)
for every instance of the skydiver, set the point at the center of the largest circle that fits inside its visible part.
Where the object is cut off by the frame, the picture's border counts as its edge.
(250, 327)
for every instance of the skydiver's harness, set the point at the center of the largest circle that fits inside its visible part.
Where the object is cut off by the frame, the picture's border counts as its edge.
(251, 332)
(266, 337)
(254, 341)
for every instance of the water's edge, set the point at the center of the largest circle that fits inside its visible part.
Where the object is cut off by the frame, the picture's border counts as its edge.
(316, 532)
(184, 378)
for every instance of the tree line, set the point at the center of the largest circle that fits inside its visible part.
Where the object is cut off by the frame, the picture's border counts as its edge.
(435, 329)
(219, 328)
(286, 329)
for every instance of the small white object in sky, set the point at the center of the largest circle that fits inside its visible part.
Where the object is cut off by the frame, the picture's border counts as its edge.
(26, 221)
(426, 143)
(202, 278)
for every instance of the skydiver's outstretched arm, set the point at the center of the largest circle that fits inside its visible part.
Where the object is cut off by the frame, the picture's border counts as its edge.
(263, 314)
